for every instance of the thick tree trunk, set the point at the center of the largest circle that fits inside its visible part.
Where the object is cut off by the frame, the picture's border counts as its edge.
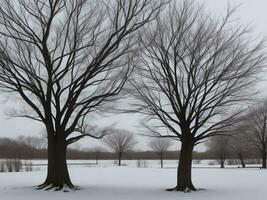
(57, 170)
(242, 160)
(184, 180)
(264, 160)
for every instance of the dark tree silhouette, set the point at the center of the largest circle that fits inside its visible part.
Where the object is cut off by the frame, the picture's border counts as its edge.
(160, 146)
(196, 69)
(68, 59)
(120, 141)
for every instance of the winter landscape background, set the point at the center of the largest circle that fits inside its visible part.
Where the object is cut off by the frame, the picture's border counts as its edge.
(133, 99)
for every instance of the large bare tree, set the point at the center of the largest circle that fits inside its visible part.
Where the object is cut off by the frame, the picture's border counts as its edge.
(120, 141)
(67, 59)
(160, 146)
(196, 70)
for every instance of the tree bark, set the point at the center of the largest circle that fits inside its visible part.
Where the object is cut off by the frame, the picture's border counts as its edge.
(184, 180)
(57, 170)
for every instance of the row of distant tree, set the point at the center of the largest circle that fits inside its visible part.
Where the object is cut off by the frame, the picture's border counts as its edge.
(120, 145)
(244, 138)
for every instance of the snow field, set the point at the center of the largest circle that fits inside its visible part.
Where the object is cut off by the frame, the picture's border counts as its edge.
(129, 183)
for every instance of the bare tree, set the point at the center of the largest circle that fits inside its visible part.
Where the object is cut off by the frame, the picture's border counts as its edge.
(219, 147)
(240, 143)
(68, 59)
(196, 69)
(97, 151)
(256, 130)
(160, 146)
(120, 141)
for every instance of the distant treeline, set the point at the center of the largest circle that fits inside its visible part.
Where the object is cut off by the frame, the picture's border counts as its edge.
(35, 148)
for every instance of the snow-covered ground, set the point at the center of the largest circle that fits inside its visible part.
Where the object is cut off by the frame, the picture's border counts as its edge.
(131, 183)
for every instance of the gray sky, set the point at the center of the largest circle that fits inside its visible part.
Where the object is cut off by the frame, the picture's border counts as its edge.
(251, 12)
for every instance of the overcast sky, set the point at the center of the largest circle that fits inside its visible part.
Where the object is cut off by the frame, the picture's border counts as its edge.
(251, 12)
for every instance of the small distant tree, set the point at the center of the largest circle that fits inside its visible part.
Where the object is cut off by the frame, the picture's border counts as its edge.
(160, 146)
(256, 129)
(219, 147)
(97, 151)
(2, 166)
(120, 142)
(239, 144)
(9, 165)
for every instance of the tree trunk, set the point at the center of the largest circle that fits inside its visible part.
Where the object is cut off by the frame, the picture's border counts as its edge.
(222, 163)
(57, 170)
(119, 159)
(161, 160)
(264, 160)
(242, 160)
(184, 181)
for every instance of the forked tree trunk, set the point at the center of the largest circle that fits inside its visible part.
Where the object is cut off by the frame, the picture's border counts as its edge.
(57, 170)
(184, 179)
(242, 160)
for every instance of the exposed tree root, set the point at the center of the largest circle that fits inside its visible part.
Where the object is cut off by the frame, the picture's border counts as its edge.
(57, 187)
(186, 189)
